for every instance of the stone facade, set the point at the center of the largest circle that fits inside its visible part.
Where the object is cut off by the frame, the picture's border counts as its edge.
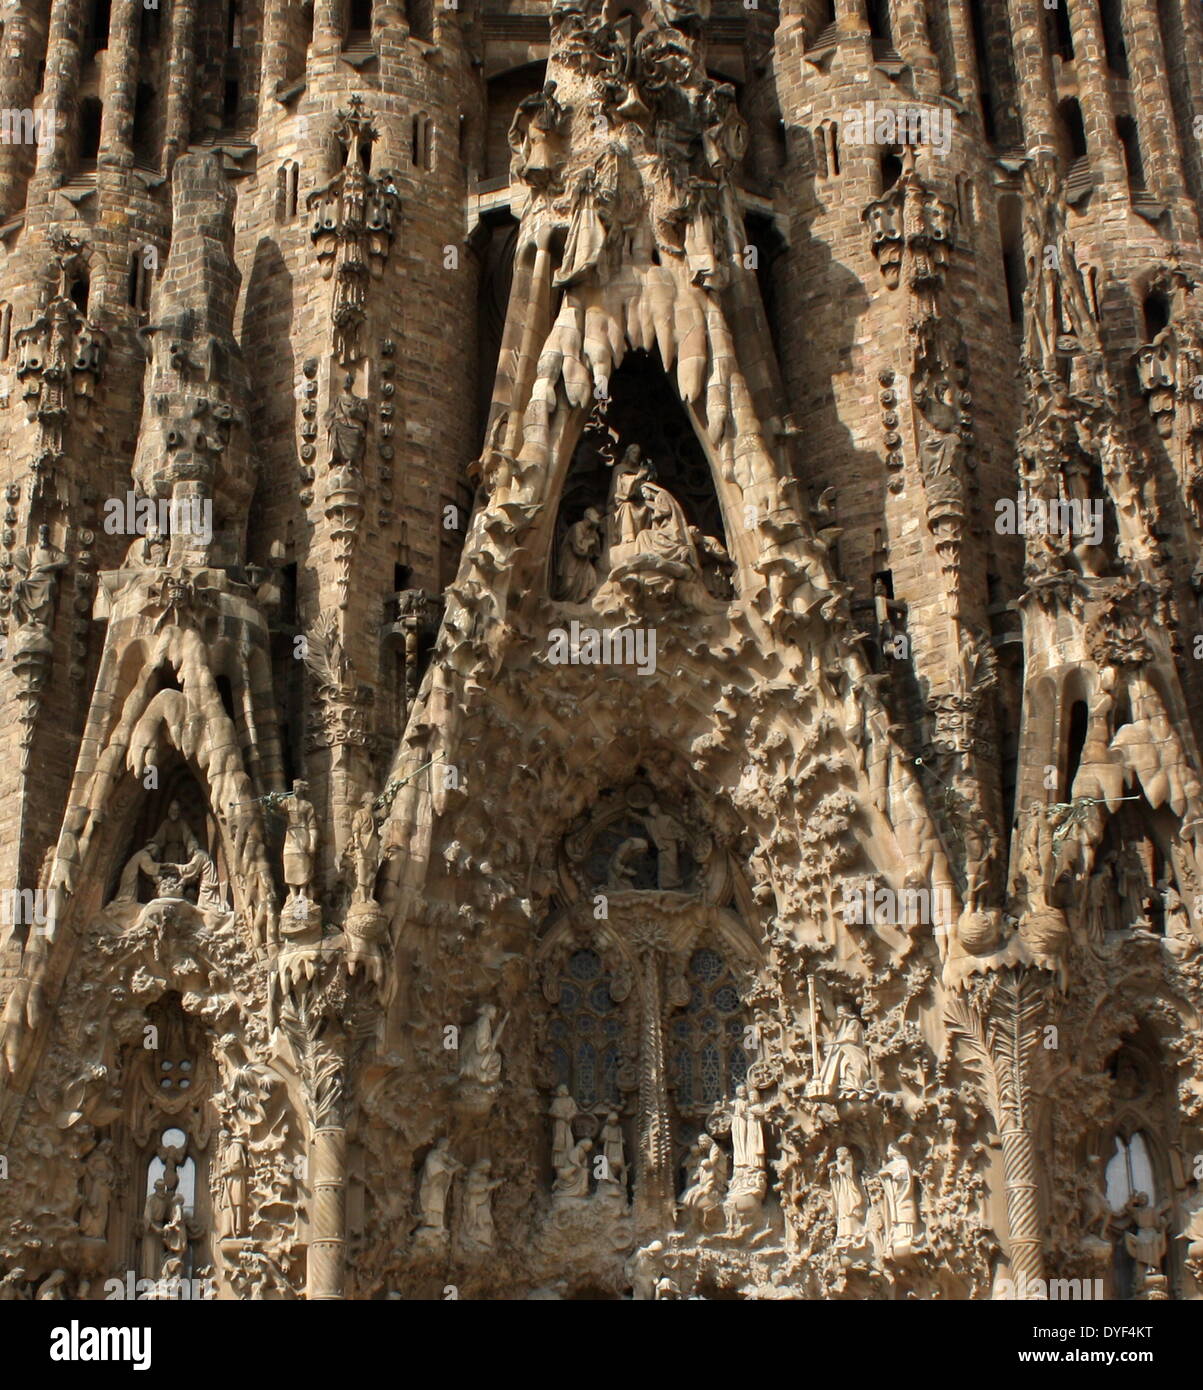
(602, 619)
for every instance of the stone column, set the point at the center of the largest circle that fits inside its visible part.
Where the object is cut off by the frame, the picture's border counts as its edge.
(1191, 59)
(1033, 75)
(850, 17)
(60, 88)
(274, 66)
(655, 1205)
(1098, 114)
(914, 43)
(960, 28)
(327, 1241)
(17, 68)
(181, 79)
(329, 19)
(1023, 1204)
(1151, 105)
(388, 19)
(120, 83)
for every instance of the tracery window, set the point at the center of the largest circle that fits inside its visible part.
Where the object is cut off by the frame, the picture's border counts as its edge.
(586, 1032)
(1129, 1171)
(707, 1057)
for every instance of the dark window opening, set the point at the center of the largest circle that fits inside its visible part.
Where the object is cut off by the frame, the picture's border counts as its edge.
(1061, 39)
(768, 244)
(420, 16)
(1125, 128)
(150, 31)
(1072, 129)
(81, 291)
(422, 142)
(1079, 720)
(143, 137)
(1113, 37)
(233, 24)
(1156, 312)
(878, 14)
(229, 108)
(402, 577)
(90, 112)
(96, 30)
(1014, 270)
(359, 24)
(496, 257)
(226, 691)
(140, 280)
(891, 170)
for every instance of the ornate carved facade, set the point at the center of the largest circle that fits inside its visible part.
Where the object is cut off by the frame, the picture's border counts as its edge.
(602, 615)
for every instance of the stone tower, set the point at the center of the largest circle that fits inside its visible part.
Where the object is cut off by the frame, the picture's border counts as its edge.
(602, 619)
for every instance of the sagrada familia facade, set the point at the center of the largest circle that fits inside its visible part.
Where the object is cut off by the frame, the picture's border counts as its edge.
(601, 649)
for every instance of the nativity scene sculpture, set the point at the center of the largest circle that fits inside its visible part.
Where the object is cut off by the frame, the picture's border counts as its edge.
(642, 549)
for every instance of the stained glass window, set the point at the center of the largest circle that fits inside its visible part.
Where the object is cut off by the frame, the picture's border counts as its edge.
(586, 1032)
(706, 1038)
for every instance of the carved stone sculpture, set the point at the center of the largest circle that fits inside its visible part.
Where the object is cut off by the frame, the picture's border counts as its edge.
(479, 1186)
(847, 1197)
(300, 842)
(234, 1168)
(480, 1054)
(572, 1174)
(438, 1173)
(846, 1064)
(899, 1189)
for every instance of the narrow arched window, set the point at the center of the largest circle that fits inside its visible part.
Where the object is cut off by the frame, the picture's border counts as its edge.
(1073, 131)
(140, 279)
(144, 139)
(1156, 313)
(81, 292)
(585, 1032)
(1075, 743)
(706, 1042)
(1010, 226)
(1129, 1171)
(90, 113)
(1129, 137)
